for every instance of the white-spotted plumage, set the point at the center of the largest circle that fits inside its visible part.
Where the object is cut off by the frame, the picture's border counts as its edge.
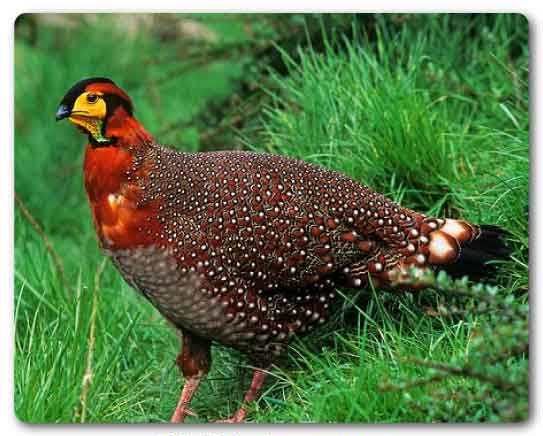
(269, 238)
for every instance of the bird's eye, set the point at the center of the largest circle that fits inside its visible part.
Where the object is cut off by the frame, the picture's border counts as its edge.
(92, 98)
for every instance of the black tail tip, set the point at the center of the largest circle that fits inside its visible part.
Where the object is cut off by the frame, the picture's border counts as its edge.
(473, 261)
(493, 241)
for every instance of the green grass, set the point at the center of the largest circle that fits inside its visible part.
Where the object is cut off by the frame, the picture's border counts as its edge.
(432, 112)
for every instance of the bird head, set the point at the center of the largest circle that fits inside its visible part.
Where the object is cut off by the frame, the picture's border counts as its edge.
(91, 104)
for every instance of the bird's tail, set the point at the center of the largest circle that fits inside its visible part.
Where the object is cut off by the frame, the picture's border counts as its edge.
(463, 249)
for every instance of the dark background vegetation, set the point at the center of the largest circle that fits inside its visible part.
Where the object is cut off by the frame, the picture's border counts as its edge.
(431, 110)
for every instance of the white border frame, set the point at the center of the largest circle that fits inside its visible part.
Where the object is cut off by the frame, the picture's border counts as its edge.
(532, 9)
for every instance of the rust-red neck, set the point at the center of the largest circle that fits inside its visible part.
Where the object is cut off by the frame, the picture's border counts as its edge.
(126, 130)
(106, 166)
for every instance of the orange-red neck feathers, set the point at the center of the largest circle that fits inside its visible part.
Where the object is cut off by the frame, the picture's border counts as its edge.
(105, 167)
(126, 130)
(111, 196)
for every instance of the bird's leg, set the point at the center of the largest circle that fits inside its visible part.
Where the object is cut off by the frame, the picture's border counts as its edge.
(182, 409)
(194, 361)
(259, 376)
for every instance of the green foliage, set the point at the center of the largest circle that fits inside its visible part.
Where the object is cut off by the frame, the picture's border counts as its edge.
(432, 110)
(496, 363)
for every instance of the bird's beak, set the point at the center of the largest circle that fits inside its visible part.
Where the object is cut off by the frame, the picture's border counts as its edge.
(62, 112)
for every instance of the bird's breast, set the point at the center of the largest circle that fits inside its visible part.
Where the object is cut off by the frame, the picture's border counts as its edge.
(120, 218)
(121, 223)
(117, 216)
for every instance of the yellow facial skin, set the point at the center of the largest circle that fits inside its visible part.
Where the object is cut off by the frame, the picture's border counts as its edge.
(89, 112)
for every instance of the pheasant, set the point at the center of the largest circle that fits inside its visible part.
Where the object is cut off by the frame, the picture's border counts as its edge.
(247, 249)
